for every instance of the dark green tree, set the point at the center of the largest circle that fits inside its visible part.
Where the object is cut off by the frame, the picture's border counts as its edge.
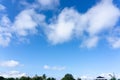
(113, 78)
(79, 79)
(10, 78)
(68, 77)
(2, 78)
(44, 77)
(37, 78)
(25, 78)
(51, 78)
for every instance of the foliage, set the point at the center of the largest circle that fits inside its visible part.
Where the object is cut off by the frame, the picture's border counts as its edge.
(113, 78)
(68, 77)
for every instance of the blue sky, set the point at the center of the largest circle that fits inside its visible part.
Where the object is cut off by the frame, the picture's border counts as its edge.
(56, 37)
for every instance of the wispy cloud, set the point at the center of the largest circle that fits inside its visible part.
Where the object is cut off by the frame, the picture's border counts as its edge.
(5, 31)
(48, 4)
(12, 74)
(2, 7)
(57, 68)
(9, 63)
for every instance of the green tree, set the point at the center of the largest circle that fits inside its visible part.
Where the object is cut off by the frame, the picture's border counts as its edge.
(68, 77)
(79, 79)
(113, 78)
(2, 78)
(25, 78)
(37, 78)
(10, 79)
(51, 78)
(44, 77)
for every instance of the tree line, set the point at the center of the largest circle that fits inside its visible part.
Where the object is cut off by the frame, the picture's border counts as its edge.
(44, 77)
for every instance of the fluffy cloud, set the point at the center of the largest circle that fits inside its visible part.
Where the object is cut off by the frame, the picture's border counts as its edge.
(71, 23)
(12, 74)
(98, 18)
(10, 63)
(63, 28)
(47, 67)
(27, 21)
(48, 4)
(68, 24)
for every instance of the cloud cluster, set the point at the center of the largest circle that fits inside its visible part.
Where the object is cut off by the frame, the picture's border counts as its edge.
(57, 68)
(89, 27)
(9, 63)
(12, 74)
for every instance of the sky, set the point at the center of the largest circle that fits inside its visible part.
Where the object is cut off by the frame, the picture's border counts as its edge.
(55, 37)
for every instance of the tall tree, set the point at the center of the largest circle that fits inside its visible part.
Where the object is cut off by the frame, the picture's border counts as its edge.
(44, 77)
(68, 77)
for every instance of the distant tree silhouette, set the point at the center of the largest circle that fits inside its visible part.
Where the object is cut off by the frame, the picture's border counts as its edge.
(68, 77)
(44, 77)
(25, 78)
(10, 78)
(51, 78)
(79, 79)
(37, 78)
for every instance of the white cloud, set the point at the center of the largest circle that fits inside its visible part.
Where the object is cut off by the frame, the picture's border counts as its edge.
(57, 68)
(5, 31)
(12, 74)
(48, 4)
(9, 63)
(2, 7)
(63, 28)
(67, 25)
(87, 78)
(114, 38)
(90, 42)
(71, 23)
(114, 42)
(98, 18)
(27, 21)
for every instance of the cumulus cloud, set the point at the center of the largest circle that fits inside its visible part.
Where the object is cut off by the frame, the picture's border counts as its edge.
(12, 74)
(67, 25)
(98, 18)
(57, 68)
(63, 28)
(71, 23)
(9, 63)
(27, 21)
